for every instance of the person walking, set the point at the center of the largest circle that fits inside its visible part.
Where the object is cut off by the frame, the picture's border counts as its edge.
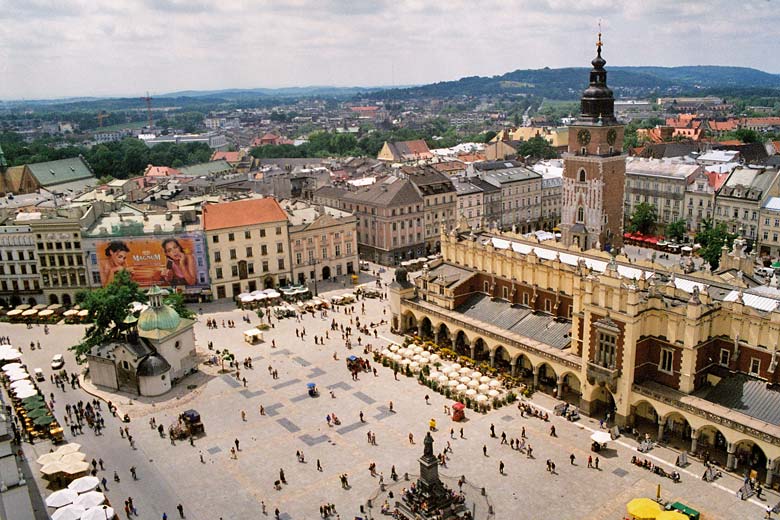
(484, 450)
(596, 463)
(236, 443)
(571, 459)
(590, 461)
(180, 508)
(501, 467)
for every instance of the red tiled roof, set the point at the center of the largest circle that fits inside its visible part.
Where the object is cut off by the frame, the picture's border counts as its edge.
(768, 121)
(731, 142)
(160, 171)
(231, 157)
(472, 157)
(716, 179)
(241, 213)
(776, 144)
(418, 146)
(364, 109)
(723, 126)
(269, 136)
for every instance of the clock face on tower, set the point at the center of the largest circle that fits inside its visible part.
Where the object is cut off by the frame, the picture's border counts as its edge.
(583, 137)
(611, 136)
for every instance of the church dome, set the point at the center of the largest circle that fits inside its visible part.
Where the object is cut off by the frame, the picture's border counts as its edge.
(153, 365)
(158, 315)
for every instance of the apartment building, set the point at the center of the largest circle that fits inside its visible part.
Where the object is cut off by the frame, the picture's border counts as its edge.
(739, 200)
(439, 196)
(248, 246)
(700, 197)
(660, 183)
(470, 199)
(521, 193)
(20, 281)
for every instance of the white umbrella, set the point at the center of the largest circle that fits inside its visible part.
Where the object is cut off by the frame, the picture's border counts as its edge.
(15, 312)
(456, 366)
(99, 513)
(75, 467)
(493, 393)
(10, 367)
(71, 447)
(52, 468)
(482, 398)
(19, 383)
(70, 458)
(18, 376)
(484, 379)
(424, 361)
(25, 392)
(405, 361)
(386, 352)
(84, 484)
(417, 357)
(476, 374)
(461, 388)
(434, 374)
(394, 348)
(471, 392)
(70, 512)
(483, 388)
(83, 313)
(46, 458)
(446, 371)
(453, 384)
(473, 384)
(402, 352)
(10, 354)
(60, 498)
(73, 312)
(465, 380)
(414, 365)
(443, 379)
(417, 350)
(494, 384)
(425, 354)
(46, 312)
(30, 312)
(90, 499)
(601, 437)
(435, 358)
(463, 371)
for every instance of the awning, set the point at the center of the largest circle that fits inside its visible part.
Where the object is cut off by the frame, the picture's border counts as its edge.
(643, 509)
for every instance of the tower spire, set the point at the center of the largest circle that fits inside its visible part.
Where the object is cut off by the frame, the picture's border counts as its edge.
(598, 43)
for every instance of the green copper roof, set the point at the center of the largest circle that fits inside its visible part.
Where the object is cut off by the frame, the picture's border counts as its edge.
(159, 318)
(52, 173)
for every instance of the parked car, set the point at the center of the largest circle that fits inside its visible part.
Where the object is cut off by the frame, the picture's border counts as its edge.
(39, 375)
(57, 362)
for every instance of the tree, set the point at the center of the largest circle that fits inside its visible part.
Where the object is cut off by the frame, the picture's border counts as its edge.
(176, 301)
(538, 148)
(108, 307)
(677, 230)
(225, 355)
(712, 239)
(643, 219)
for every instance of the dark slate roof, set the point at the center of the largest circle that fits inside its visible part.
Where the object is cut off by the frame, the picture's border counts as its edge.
(752, 153)
(429, 181)
(539, 326)
(663, 150)
(153, 365)
(749, 396)
(448, 274)
(485, 186)
(390, 191)
(497, 165)
(52, 173)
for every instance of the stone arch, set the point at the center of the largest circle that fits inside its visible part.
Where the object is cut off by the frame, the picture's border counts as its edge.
(712, 444)
(546, 378)
(500, 358)
(442, 334)
(32, 301)
(523, 367)
(601, 402)
(53, 299)
(66, 301)
(480, 350)
(644, 417)
(426, 328)
(462, 343)
(570, 387)
(749, 456)
(676, 430)
(409, 322)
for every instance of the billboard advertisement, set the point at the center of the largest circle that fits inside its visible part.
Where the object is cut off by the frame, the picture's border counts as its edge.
(168, 261)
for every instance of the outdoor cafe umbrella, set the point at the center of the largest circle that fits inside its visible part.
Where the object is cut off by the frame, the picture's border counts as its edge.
(34, 399)
(25, 388)
(48, 458)
(30, 312)
(52, 468)
(601, 437)
(98, 513)
(38, 412)
(10, 367)
(643, 509)
(90, 499)
(26, 391)
(71, 512)
(73, 312)
(75, 467)
(40, 306)
(20, 383)
(84, 484)
(33, 403)
(14, 312)
(62, 497)
(43, 420)
(70, 458)
(45, 312)
(71, 447)
(10, 354)
(18, 376)
(671, 515)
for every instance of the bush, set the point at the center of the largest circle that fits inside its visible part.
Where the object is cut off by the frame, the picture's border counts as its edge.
(511, 397)
(426, 370)
(496, 402)
(264, 326)
(385, 362)
(408, 371)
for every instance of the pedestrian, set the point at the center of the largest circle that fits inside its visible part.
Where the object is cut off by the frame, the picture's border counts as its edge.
(501, 467)
(522, 433)
(100, 462)
(233, 453)
(411, 438)
(281, 476)
(236, 443)
(552, 431)
(552, 467)
(484, 450)
(276, 513)
(590, 461)
(165, 516)
(596, 463)
(427, 399)
(361, 416)
(180, 508)
(391, 404)
(319, 467)
(243, 415)
(201, 458)
(452, 433)
(133, 473)
(529, 452)
(461, 434)
(571, 459)
(262, 410)
(105, 483)
(492, 431)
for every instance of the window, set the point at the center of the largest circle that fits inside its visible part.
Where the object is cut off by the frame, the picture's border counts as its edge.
(263, 249)
(232, 254)
(486, 286)
(580, 214)
(667, 357)
(262, 233)
(755, 366)
(297, 259)
(281, 264)
(231, 237)
(265, 266)
(525, 299)
(310, 254)
(217, 256)
(247, 235)
(250, 267)
(725, 357)
(325, 252)
(218, 272)
(349, 248)
(215, 239)
(605, 355)
(582, 175)
(505, 292)
(279, 247)
(338, 250)
(234, 270)
(249, 252)
(278, 230)
(547, 305)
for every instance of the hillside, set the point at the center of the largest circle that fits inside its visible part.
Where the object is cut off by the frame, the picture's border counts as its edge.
(567, 83)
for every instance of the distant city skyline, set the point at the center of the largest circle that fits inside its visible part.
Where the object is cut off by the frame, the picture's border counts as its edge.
(71, 48)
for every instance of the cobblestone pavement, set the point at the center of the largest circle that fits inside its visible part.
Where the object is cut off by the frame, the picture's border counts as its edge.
(221, 487)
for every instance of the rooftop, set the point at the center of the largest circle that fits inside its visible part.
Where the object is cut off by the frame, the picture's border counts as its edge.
(52, 173)
(240, 213)
(660, 168)
(747, 395)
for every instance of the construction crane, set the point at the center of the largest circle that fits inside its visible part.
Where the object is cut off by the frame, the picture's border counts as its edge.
(148, 100)
(101, 116)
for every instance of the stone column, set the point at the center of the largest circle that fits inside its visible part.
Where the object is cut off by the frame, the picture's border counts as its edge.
(731, 459)
(419, 330)
(660, 430)
(436, 337)
(770, 476)
(536, 377)
(513, 367)
(559, 388)
(694, 440)
(473, 348)
(492, 358)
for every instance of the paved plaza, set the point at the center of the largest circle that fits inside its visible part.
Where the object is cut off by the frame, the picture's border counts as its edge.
(221, 487)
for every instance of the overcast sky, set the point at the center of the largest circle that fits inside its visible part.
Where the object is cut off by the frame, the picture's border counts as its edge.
(58, 48)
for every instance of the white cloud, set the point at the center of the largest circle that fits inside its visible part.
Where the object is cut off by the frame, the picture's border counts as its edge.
(55, 48)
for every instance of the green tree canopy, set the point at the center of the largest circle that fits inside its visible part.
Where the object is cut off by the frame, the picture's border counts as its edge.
(712, 239)
(537, 147)
(643, 219)
(108, 307)
(677, 230)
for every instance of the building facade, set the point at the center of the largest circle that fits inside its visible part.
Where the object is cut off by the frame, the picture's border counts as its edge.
(700, 198)
(739, 200)
(439, 196)
(660, 351)
(248, 246)
(470, 202)
(521, 193)
(594, 169)
(20, 280)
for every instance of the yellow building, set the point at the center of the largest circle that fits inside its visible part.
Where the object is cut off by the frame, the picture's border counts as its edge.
(688, 359)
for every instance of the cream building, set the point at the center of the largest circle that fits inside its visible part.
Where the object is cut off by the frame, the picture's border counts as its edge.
(248, 246)
(20, 280)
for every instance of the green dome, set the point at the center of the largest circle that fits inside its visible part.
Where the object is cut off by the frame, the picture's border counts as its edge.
(155, 318)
